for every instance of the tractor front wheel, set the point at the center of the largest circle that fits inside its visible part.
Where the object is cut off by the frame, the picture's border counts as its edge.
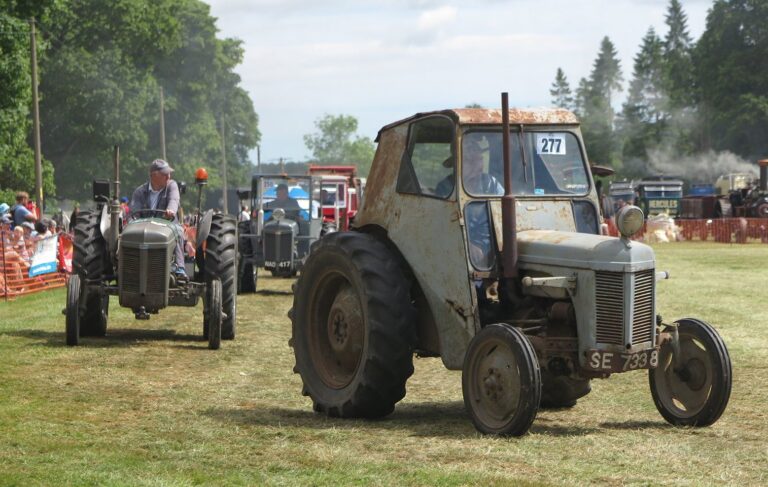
(692, 389)
(213, 313)
(72, 310)
(353, 330)
(501, 381)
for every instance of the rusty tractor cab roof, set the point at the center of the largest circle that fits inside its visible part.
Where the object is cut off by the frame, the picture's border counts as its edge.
(493, 116)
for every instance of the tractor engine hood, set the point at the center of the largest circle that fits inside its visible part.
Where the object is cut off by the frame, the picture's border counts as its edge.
(148, 234)
(582, 251)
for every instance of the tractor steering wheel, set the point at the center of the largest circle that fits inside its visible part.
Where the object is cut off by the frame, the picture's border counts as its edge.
(149, 213)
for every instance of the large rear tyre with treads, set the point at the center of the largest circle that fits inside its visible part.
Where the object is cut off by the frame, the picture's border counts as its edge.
(90, 260)
(221, 263)
(353, 327)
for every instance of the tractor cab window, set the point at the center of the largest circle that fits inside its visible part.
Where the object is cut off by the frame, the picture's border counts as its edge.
(332, 194)
(482, 251)
(428, 165)
(550, 163)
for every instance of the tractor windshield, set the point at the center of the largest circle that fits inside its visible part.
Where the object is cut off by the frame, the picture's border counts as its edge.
(290, 194)
(553, 164)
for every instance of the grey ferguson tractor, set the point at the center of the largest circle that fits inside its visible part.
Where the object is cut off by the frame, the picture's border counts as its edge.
(479, 242)
(134, 262)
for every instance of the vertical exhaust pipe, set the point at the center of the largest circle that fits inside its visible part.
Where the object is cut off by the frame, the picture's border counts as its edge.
(763, 174)
(508, 216)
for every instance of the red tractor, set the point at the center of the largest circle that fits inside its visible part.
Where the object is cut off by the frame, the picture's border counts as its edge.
(340, 195)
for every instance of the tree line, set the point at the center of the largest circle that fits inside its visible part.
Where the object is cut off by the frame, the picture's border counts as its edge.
(684, 97)
(102, 66)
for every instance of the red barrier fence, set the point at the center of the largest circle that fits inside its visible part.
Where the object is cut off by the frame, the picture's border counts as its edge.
(16, 252)
(723, 230)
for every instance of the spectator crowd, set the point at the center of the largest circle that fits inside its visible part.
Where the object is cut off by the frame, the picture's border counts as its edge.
(21, 228)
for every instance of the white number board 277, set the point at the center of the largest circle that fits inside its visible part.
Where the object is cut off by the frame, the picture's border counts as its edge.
(547, 144)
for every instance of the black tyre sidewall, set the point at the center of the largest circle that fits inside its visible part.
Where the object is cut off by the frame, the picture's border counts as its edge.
(214, 308)
(72, 320)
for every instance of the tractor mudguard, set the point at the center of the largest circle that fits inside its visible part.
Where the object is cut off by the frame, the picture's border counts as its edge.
(204, 228)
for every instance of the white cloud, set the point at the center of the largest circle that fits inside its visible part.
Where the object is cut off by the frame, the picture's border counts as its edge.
(438, 17)
(382, 60)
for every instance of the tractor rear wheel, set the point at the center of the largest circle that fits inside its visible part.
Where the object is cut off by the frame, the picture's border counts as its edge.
(221, 263)
(90, 261)
(693, 389)
(501, 381)
(353, 330)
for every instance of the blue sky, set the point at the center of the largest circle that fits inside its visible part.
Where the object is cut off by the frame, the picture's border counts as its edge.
(385, 60)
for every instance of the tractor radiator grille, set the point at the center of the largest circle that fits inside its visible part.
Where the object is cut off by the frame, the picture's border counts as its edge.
(157, 262)
(278, 247)
(609, 307)
(642, 315)
(619, 320)
(130, 271)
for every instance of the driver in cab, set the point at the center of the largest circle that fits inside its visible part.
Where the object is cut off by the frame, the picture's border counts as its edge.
(283, 200)
(160, 193)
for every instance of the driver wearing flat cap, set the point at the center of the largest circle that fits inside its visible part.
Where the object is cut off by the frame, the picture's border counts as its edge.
(160, 193)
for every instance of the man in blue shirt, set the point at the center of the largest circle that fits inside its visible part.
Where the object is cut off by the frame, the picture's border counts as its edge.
(19, 212)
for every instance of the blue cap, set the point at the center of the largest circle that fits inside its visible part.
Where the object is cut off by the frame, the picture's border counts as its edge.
(3, 208)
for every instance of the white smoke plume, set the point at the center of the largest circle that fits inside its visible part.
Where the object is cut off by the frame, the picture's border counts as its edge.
(699, 168)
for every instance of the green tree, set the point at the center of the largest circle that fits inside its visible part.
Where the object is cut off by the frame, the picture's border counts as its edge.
(561, 91)
(101, 78)
(336, 142)
(678, 66)
(17, 161)
(643, 119)
(594, 102)
(732, 77)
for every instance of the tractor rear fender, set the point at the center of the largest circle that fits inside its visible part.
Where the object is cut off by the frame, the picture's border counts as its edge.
(428, 339)
(205, 228)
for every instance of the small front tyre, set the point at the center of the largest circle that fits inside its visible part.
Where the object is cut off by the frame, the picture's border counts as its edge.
(73, 310)
(214, 313)
(694, 389)
(501, 381)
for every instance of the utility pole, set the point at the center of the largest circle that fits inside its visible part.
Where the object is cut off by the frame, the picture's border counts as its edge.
(162, 124)
(258, 159)
(223, 166)
(282, 168)
(36, 118)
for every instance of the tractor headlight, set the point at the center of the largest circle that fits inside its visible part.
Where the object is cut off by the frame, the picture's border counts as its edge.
(278, 214)
(629, 220)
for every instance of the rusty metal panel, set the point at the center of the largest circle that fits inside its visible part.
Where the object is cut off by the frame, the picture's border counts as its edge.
(429, 233)
(484, 116)
(528, 116)
(536, 214)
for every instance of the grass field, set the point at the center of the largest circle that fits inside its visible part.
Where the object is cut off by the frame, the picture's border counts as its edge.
(151, 405)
